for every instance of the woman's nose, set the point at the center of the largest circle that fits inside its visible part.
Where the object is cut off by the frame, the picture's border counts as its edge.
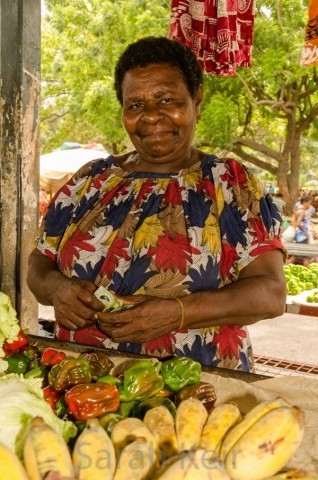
(152, 112)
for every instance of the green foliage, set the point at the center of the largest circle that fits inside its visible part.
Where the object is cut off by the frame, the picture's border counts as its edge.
(81, 42)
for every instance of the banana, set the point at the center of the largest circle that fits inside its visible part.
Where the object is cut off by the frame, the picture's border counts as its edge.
(137, 461)
(128, 430)
(250, 418)
(294, 475)
(94, 453)
(191, 416)
(45, 451)
(267, 445)
(192, 465)
(161, 424)
(221, 419)
(11, 467)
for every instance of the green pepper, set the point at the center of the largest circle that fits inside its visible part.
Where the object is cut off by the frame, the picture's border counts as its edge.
(109, 420)
(142, 408)
(179, 372)
(141, 381)
(71, 371)
(126, 408)
(109, 379)
(34, 373)
(17, 363)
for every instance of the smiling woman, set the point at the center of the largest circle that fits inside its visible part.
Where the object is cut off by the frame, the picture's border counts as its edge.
(189, 243)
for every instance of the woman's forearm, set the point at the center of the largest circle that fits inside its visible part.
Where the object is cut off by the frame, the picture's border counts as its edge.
(259, 293)
(43, 277)
(241, 303)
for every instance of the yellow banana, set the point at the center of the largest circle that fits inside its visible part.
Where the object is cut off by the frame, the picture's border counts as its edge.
(267, 445)
(192, 465)
(294, 475)
(160, 422)
(191, 416)
(137, 461)
(128, 430)
(45, 451)
(221, 419)
(250, 418)
(94, 453)
(11, 467)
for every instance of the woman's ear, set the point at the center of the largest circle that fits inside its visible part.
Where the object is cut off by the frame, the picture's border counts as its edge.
(198, 99)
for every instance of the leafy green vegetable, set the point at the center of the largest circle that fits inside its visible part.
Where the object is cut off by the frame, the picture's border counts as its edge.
(22, 399)
(9, 324)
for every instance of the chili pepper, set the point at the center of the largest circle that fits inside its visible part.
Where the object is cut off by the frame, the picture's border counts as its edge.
(141, 381)
(100, 363)
(34, 364)
(51, 396)
(109, 379)
(69, 372)
(180, 372)
(18, 363)
(142, 408)
(34, 373)
(17, 343)
(203, 391)
(31, 351)
(51, 357)
(61, 408)
(89, 400)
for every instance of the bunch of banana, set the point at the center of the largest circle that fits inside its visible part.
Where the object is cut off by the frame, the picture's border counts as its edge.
(45, 451)
(191, 416)
(93, 454)
(11, 467)
(263, 442)
(294, 475)
(160, 422)
(192, 465)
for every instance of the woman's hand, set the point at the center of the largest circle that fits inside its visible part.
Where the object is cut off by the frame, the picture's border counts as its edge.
(149, 318)
(75, 304)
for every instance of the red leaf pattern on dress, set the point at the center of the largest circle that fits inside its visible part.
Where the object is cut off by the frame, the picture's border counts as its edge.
(163, 344)
(73, 245)
(229, 340)
(144, 192)
(228, 257)
(173, 193)
(235, 175)
(115, 252)
(172, 252)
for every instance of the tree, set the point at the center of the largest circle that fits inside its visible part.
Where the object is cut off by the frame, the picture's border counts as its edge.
(268, 113)
(81, 41)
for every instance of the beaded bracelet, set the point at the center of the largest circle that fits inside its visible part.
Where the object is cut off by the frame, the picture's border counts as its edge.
(182, 312)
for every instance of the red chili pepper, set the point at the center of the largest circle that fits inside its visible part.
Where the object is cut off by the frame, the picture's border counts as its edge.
(52, 357)
(21, 341)
(51, 396)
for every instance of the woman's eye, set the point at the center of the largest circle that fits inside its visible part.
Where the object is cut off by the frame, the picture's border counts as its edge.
(136, 106)
(166, 100)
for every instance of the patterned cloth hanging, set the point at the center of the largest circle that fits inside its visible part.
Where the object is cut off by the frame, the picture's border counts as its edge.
(309, 56)
(220, 32)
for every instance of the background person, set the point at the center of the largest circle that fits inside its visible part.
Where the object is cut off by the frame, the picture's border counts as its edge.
(187, 238)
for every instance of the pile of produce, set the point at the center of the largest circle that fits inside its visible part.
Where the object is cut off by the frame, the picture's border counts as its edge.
(81, 418)
(300, 278)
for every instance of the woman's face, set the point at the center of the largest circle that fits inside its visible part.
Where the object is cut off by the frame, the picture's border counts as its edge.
(159, 115)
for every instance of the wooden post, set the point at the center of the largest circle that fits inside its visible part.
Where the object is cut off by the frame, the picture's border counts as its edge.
(20, 30)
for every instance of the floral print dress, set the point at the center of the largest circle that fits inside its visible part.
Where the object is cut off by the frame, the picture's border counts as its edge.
(166, 235)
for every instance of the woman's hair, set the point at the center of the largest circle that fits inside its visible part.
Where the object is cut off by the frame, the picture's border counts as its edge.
(154, 50)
